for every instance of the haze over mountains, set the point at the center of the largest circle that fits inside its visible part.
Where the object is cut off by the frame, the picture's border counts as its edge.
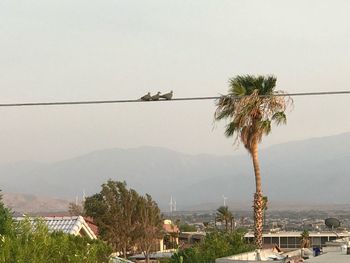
(300, 172)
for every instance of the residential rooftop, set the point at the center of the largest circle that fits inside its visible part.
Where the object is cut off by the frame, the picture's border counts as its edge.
(74, 225)
(297, 234)
(330, 257)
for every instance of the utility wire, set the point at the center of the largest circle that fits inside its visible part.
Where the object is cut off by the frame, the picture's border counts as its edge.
(174, 99)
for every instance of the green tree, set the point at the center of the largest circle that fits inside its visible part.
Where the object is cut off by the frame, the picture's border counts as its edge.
(184, 227)
(126, 220)
(250, 107)
(149, 225)
(5, 218)
(224, 215)
(114, 211)
(177, 258)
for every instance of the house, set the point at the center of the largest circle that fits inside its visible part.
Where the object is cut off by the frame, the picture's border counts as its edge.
(74, 225)
(190, 238)
(171, 236)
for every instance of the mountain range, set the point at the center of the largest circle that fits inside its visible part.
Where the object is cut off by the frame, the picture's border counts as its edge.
(312, 171)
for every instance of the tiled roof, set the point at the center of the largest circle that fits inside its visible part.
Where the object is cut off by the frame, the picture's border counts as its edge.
(67, 224)
(91, 224)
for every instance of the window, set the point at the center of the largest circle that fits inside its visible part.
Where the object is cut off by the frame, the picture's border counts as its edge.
(275, 240)
(267, 240)
(284, 242)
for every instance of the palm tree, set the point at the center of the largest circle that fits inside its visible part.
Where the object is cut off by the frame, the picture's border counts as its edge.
(305, 239)
(224, 215)
(265, 207)
(250, 107)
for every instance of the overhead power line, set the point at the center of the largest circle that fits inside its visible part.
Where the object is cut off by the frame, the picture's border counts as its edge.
(62, 103)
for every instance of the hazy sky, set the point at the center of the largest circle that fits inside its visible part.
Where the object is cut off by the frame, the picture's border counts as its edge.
(54, 50)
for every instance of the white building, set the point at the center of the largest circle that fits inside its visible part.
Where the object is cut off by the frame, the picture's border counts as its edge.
(291, 240)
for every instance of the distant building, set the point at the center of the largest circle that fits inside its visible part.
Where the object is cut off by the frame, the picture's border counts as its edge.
(291, 240)
(190, 238)
(74, 225)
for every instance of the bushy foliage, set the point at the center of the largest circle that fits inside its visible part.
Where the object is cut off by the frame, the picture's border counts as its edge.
(127, 220)
(184, 227)
(31, 242)
(5, 218)
(215, 245)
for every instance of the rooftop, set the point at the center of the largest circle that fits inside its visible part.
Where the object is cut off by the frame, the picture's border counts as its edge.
(74, 225)
(272, 254)
(331, 257)
(297, 234)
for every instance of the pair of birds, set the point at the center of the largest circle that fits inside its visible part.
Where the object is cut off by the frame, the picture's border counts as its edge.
(149, 97)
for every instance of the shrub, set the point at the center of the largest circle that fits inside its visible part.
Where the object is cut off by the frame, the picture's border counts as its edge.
(27, 242)
(215, 245)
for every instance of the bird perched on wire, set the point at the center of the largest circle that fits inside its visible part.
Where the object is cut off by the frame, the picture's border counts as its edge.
(146, 97)
(167, 96)
(156, 96)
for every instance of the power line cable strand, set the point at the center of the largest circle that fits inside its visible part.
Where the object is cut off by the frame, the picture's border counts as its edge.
(62, 103)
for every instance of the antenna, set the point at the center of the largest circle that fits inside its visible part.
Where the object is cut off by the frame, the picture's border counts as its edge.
(225, 198)
(174, 205)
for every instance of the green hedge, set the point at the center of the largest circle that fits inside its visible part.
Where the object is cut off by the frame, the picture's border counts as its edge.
(215, 245)
(24, 242)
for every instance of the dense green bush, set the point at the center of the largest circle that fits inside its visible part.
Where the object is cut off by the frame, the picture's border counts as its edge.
(215, 245)
(5, 218)
(25, 242)
(187, 228)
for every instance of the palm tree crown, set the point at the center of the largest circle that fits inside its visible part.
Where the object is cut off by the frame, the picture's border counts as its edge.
(251, 106)
(223, 214)
(305, 239)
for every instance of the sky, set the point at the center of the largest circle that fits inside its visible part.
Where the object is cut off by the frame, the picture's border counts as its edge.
(57, 50)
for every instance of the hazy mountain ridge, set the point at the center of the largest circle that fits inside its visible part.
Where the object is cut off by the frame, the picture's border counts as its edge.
(23, 203)
(309, 171)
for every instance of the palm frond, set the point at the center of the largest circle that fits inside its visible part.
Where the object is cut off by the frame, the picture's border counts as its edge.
(225, 107)
(231, 128)
(265, 126)
(279, 118)
(268, 85)
(237, 89)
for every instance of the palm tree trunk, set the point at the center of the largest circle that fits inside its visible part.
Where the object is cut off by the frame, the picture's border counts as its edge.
(258, 198)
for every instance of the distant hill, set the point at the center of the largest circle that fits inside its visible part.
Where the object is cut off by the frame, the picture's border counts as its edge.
(23, 203)
(300, 172)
